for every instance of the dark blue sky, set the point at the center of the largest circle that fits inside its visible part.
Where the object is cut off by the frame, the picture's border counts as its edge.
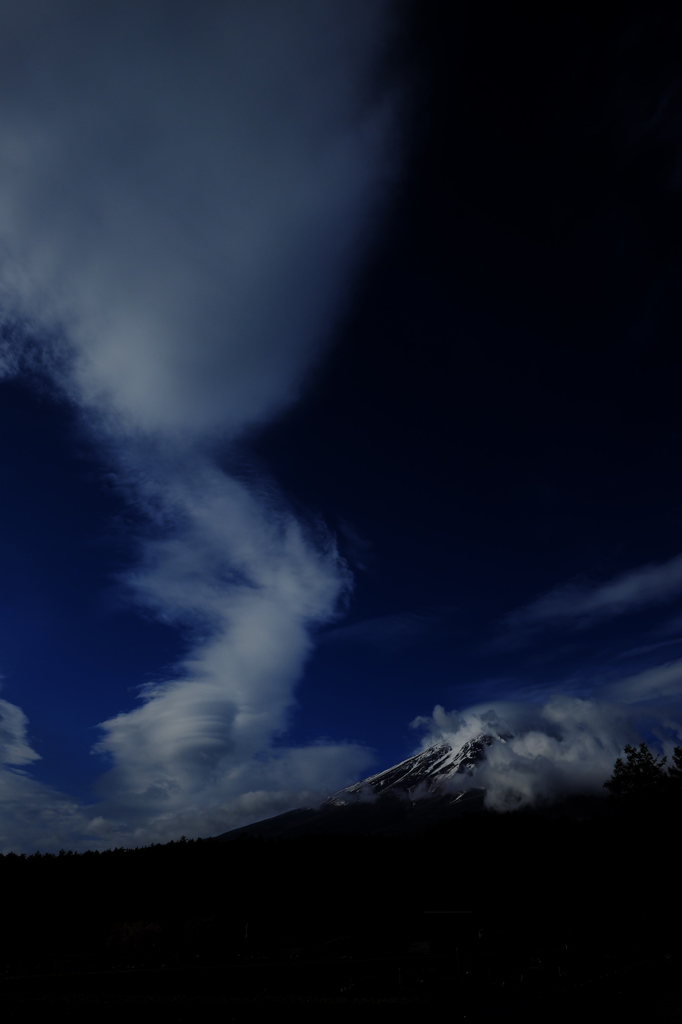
(500, 416)
(482, 414)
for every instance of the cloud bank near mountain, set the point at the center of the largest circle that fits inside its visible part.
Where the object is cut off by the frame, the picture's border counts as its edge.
(564, 746)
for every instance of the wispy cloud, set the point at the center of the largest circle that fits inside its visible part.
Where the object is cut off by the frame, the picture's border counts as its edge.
(32, 814)
(389, 632)
(586, 604)
(634, 652)
(183, 197)
(652, 683)
(15, 748)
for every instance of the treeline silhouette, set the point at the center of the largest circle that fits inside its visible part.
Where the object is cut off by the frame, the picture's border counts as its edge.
(643, 779)
(589, 890)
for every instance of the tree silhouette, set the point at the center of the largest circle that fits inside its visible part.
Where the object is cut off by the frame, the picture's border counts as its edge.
(642, 775)
(675, 771)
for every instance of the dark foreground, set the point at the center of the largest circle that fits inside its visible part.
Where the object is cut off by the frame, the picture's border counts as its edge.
(485, 918)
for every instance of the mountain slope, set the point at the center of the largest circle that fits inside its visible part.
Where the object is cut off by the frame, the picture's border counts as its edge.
(408, 797)
(427, 773)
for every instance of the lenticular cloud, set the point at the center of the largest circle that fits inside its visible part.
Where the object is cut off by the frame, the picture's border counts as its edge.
(184, 193)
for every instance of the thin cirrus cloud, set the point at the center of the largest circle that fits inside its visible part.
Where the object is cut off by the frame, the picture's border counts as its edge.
(654, 683)
(389, 633)
(586, 605)
(184, 195)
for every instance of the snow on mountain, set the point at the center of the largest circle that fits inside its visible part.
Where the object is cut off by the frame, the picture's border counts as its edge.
(427, 773)
(433, 786)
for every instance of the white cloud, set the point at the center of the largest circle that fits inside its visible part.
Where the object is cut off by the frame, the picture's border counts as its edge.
(32, 815)
(184, 194)
(257, 581)
(585, 604)
(14, 745)
(35, 816)
(565, 746)
(253, 789)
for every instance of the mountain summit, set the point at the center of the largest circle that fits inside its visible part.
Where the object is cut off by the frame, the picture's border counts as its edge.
(435, 784)
(425, 774)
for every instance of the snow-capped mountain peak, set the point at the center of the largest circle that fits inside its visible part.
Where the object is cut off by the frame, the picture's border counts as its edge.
(428, 771)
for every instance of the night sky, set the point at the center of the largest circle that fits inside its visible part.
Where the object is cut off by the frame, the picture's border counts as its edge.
(339, 409)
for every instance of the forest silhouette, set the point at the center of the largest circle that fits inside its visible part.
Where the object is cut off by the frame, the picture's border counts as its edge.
(575, 903)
